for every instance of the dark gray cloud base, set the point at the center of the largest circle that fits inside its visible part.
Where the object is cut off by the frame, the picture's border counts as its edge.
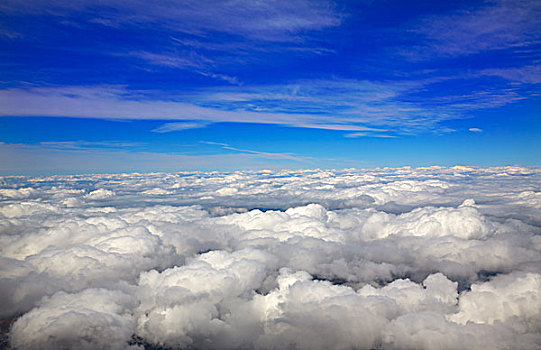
(424, 258)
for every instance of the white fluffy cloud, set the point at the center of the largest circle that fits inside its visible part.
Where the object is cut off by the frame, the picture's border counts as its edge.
(426, 258)
(92, 319)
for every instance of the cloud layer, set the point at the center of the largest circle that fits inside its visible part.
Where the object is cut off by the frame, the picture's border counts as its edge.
(426, 258)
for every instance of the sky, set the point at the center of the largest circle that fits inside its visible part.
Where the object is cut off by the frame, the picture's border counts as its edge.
(119, 86)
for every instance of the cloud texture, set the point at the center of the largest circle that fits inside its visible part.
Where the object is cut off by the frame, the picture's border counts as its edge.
(425, 258)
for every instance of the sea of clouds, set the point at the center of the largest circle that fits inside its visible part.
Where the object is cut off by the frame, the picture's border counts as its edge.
(404, 258)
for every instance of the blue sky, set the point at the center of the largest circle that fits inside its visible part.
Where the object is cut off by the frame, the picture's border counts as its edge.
(116, 86)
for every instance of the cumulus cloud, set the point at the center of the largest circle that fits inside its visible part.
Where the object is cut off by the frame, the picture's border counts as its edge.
(92, 319)
(425, 258)
(16, 193)
(99, 194)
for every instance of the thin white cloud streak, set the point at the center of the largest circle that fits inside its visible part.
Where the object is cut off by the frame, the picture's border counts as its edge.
(170, 127)
(175, 61)
(268, 155)
(228, 78)
(111, 103)
(363, 134)
(425, 258)
(189, 61)
(82, 145)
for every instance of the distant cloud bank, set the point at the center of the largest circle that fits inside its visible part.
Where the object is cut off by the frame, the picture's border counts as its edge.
(424, 258)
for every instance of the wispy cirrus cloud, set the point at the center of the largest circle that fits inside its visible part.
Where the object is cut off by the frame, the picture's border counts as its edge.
(245, 48)
(529, 74)
(490, 25)
(334, 104)
(189, 60)
(411, 106)
(196, 36)
(10, 34)
(267, 20)
(116, 102)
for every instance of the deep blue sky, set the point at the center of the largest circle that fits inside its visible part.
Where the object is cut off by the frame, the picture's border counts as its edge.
(114, 86)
